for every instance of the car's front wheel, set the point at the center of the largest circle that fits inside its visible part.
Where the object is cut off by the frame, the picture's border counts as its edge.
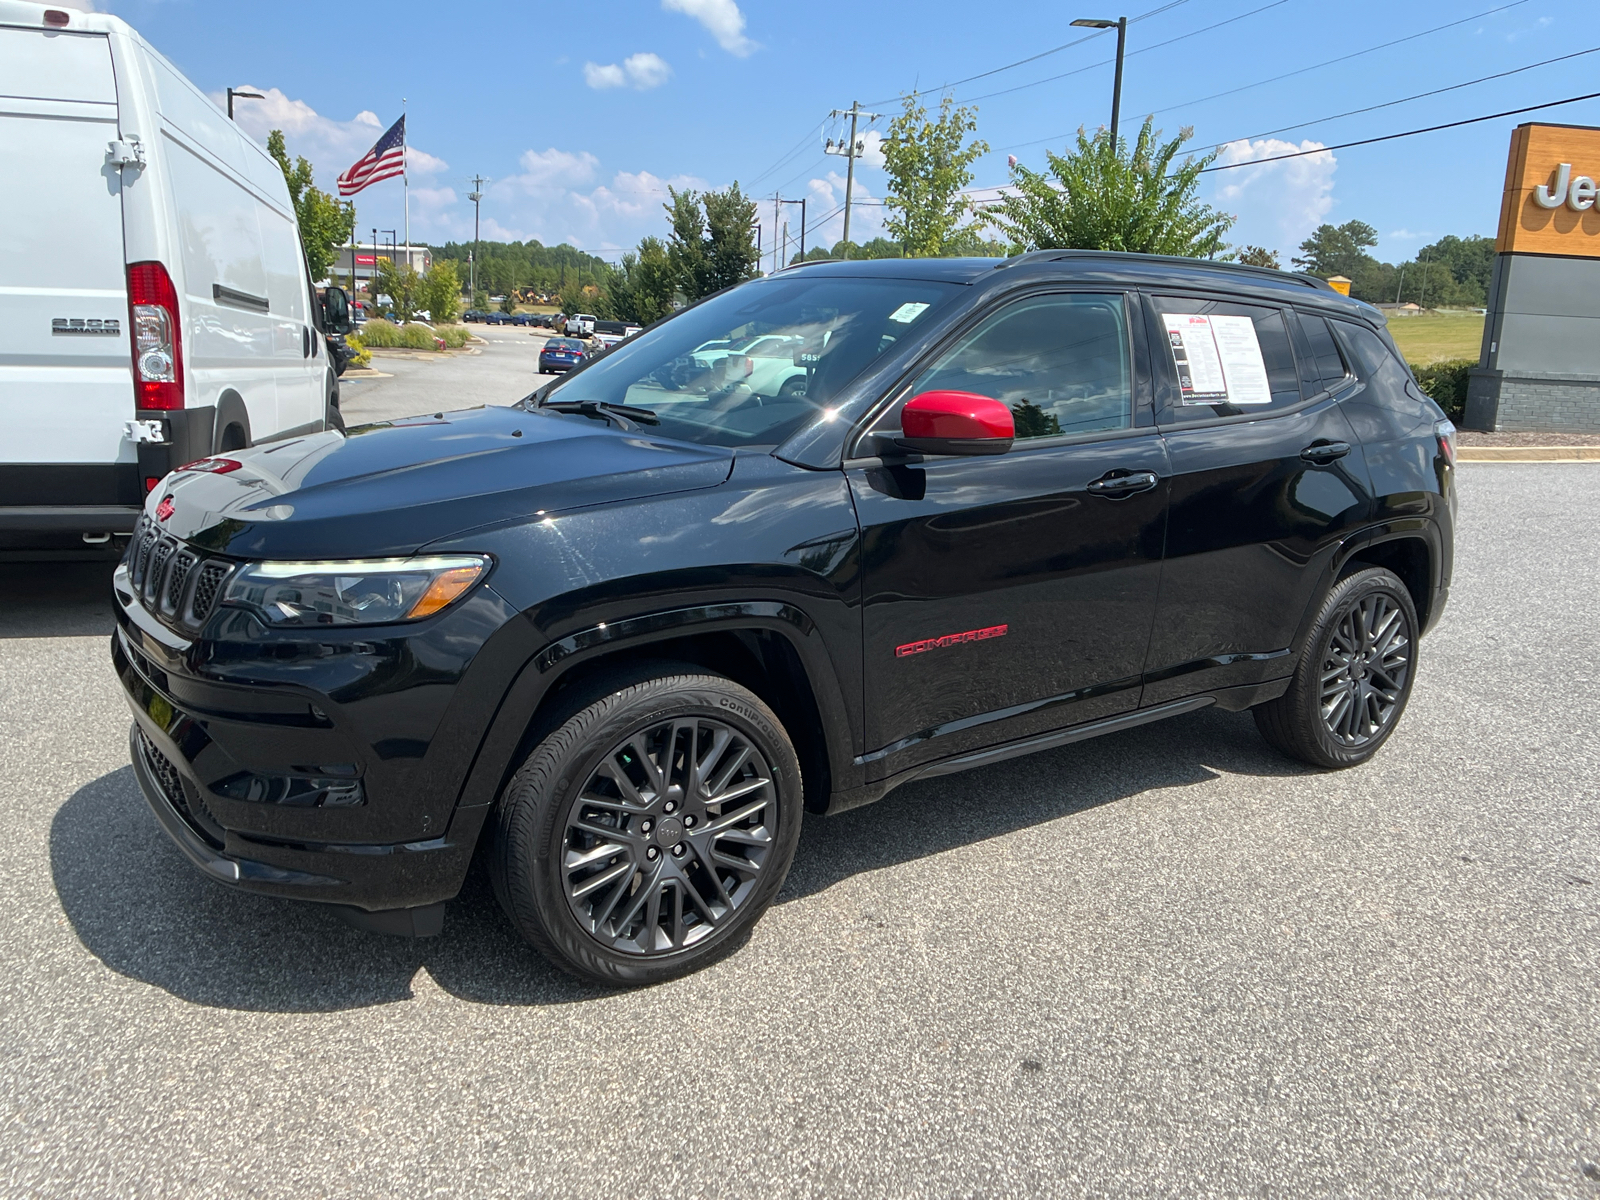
(647, 833)
(1353, 676)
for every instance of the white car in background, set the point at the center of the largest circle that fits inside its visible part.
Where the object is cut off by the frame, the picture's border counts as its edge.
(580, 325)
(154, 297)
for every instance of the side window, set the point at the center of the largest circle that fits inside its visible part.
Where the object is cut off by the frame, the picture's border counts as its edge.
(1221, 359)
(1059, 363)
(1385, 375)
(1326, 370)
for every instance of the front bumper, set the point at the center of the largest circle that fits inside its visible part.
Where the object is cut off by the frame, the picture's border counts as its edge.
(368, 877)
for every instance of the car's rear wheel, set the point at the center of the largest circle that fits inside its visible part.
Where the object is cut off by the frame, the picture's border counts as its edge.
(648, 832)
(1353, 676)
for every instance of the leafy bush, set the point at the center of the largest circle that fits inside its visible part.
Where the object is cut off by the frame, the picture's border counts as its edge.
(1446, 383)
(413, 336)
(362, 356)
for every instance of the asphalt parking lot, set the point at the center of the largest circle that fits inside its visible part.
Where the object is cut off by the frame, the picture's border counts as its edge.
(1164, 963)
(500, 369)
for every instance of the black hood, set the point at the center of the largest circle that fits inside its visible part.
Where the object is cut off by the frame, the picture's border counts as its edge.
(390, 489)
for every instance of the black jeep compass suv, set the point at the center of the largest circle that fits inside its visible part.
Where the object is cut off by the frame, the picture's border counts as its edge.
(829, 531)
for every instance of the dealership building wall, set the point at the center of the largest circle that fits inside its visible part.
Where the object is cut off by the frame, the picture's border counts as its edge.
(1539, 368)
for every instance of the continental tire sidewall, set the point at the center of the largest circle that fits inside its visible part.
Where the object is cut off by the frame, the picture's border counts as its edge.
(541, 795)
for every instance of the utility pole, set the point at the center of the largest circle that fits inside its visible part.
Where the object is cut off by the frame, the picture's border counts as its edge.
(475, 195)
(851, 150)
(775, 216)
(802, 203)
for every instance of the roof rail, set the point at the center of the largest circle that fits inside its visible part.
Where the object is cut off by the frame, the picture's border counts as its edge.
(806, 262)
(1299, 277)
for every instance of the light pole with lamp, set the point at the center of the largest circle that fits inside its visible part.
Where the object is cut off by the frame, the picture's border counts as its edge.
(1121, 26)
(235, 93)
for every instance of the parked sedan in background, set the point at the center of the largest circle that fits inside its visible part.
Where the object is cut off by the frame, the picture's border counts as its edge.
(497, 318)
(561, 354)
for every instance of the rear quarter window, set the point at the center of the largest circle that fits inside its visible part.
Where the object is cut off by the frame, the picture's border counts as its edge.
(1385, 408)
(1271, 335)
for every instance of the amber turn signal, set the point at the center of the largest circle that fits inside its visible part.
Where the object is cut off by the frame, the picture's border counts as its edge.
(444, 590)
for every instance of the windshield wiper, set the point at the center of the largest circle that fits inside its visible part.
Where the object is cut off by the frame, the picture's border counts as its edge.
(625, 415)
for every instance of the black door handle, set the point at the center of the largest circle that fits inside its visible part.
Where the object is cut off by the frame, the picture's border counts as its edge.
(1116, 484)
(1325, 452)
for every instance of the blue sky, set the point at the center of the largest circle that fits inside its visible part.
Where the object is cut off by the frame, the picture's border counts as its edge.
(581, 114)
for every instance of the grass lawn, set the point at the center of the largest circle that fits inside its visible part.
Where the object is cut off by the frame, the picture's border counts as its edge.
(1438, 337)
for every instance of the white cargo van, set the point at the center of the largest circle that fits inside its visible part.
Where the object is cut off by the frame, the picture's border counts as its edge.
(154, 301)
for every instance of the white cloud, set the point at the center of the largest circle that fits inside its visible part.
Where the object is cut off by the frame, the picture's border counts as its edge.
(331, 145)
(552, 168)
(646, 70)
(1279, 203)
(722, 20)
(609, 76)
(642, 71)
(827, 194)
(871, 149)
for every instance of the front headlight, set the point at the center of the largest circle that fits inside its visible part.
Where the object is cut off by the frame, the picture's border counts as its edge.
(372, 591)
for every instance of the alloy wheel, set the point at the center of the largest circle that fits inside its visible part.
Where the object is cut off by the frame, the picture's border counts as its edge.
(669, 836)
(1365, 669)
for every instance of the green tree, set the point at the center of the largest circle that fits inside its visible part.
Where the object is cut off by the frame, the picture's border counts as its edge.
(1259, 256)
(732, 255)
(929, 162)
(1103, 195)
(400, 284)
(686, 242)
(1471, 263)
(712, 243)
(643, 289)
(1033, 421)
(325, 224)
(439, 292)
(1338, 250)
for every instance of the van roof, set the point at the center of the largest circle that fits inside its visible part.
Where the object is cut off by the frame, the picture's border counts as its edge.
(31, 16)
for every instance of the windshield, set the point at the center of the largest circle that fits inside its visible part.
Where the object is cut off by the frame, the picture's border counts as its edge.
(750, 366)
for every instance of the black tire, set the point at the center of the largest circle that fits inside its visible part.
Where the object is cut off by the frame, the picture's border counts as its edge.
(1353, 676)
(677, 857)
(793, 388)
(333, 418)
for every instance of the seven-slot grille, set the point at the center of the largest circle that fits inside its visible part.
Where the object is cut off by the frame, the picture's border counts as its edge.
(174, 582)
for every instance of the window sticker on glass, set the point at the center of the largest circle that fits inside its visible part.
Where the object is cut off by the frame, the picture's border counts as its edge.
(1218, 359)
(908, 312)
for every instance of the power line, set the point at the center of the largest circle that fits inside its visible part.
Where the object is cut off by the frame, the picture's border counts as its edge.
(1454, 87)
(1344, 57)
(798, 147)
(1142, 50)
(1022, 62)
(1389, 137)
(1300, 71)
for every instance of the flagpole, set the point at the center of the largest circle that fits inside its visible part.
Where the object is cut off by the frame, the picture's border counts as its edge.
(405, 174)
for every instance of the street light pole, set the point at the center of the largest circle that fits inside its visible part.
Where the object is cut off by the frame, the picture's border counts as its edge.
(475, 195)
(1121, 26)
(235, 93)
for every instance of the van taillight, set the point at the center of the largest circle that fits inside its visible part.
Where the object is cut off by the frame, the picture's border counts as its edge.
(157, 346)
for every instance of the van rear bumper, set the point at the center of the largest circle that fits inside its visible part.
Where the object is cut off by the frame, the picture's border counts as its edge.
(69, 518)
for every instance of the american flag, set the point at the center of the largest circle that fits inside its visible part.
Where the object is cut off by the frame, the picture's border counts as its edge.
(385, 160)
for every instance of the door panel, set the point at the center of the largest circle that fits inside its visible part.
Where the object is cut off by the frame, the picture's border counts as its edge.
(1003, 596)
(1252, 522)
(66, 387)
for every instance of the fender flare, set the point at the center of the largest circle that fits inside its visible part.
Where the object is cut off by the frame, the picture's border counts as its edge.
(230, 411)
(538, 675)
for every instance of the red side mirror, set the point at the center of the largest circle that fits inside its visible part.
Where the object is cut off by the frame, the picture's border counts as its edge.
(956, 423)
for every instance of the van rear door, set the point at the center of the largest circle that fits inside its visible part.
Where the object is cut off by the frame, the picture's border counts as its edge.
(66, 387)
